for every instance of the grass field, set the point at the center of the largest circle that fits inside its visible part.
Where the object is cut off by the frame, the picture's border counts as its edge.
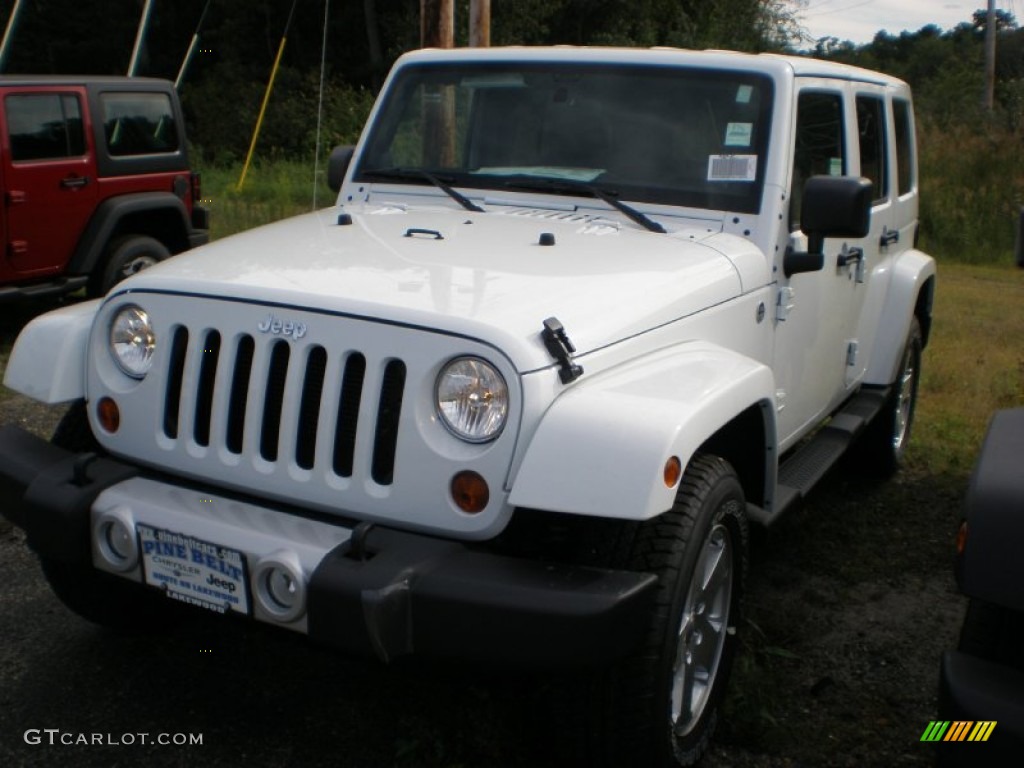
(973, 365)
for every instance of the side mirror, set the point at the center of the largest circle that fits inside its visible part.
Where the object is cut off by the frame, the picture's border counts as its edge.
(337, 166)
(833, 206)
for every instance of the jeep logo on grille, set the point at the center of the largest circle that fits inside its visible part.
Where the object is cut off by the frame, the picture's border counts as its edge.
(282, 327)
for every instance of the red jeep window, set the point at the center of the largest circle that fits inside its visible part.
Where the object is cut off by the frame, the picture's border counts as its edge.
(44, 126)
(139, 123)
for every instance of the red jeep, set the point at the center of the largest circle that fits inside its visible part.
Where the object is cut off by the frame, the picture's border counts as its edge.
(96, 182)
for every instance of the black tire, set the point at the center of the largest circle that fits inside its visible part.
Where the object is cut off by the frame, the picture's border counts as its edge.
(993, 633)
(659, 707)
(883, 445)
(125, 257)
(96, 596)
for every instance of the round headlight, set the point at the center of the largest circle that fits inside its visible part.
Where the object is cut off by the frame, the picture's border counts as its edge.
(132, 341)
(472, 399)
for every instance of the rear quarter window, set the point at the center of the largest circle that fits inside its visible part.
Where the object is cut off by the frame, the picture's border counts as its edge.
(139, 124)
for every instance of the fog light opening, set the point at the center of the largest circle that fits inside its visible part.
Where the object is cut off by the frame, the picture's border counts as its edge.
(115, 540)
(280, 588)
(470, 492)
(108, 414)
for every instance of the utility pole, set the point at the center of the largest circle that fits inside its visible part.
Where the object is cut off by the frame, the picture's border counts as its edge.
(437, 23)
(140, 36)
(480, 23)
(990, 56)
(437, 30)
(9, 34)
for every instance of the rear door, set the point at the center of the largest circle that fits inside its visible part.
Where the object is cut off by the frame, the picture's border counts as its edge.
(50, 184)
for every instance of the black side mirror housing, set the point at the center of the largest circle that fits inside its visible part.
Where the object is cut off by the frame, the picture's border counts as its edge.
(833, 206)
(337, 166)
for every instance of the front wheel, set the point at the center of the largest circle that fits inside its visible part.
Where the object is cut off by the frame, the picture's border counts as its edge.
(659, 707)
(126, 256)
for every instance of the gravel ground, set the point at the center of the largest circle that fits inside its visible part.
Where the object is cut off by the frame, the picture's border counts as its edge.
(850, 602)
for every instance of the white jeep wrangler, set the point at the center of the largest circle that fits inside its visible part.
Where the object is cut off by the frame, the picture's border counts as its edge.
(578, 317)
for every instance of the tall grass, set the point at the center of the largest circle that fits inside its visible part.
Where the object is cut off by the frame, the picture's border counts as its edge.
(272, 190)
(972, 187)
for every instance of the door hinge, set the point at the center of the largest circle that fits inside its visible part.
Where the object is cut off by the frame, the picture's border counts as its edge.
(784, 305)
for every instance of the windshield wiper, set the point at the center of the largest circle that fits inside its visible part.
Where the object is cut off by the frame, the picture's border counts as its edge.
(419, 173)
(544, 184)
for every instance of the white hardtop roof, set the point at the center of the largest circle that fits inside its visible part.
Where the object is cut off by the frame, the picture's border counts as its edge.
(769, 63)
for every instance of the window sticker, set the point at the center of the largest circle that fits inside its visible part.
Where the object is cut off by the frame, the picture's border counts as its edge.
(743, 94)
(835, 166)
(732, 167)
(738, 134)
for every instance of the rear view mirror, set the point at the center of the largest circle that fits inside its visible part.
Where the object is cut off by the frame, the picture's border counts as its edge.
(337, 166)
(833, 206)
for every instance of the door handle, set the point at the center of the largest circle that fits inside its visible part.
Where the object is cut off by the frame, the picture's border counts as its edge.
(849, 256)
(74, 182)
(889, 237)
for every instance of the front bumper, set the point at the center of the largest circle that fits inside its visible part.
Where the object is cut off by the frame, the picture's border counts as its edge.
(393, 593)
(975, 690)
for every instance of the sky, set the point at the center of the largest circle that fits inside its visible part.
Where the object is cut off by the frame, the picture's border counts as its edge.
(859, 20)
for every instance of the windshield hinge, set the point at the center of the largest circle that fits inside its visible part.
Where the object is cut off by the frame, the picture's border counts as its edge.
(558, 345)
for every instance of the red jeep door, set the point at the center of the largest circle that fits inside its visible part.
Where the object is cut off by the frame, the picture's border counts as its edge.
(49, 178)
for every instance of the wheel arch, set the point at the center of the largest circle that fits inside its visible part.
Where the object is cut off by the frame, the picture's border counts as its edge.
(747, 443)
(911, 293)
(161, 215)
(601, 448)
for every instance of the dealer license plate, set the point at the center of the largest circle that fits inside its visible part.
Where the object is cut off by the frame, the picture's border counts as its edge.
(193, 571)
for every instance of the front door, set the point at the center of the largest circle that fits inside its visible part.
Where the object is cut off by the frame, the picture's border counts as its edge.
(820, 356)
(49, 183)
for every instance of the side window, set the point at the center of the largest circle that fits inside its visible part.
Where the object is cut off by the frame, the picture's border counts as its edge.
(44, 126)
(904, 146)
(819, 144)
(139, 124)
(873, 159)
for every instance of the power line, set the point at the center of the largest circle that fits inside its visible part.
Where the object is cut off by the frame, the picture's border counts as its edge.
(840, 10)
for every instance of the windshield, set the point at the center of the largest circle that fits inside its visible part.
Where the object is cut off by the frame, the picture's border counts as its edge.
(673, 136)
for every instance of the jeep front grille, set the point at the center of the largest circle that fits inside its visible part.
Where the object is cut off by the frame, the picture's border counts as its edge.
(256, 402)
(338, 418)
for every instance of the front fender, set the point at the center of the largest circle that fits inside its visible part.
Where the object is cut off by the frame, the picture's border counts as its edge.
(601, 447)
(48, 359)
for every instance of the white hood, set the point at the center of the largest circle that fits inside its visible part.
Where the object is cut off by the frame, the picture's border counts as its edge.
(483, 275)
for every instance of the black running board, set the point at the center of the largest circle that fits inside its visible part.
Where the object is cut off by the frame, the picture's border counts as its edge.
(807, 464)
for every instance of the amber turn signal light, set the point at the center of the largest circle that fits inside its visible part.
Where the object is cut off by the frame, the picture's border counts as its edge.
(961, 538)
(470, 492)
(109, 414)
(673, 471)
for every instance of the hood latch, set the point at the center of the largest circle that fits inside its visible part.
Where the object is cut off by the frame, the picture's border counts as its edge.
(558, 345)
